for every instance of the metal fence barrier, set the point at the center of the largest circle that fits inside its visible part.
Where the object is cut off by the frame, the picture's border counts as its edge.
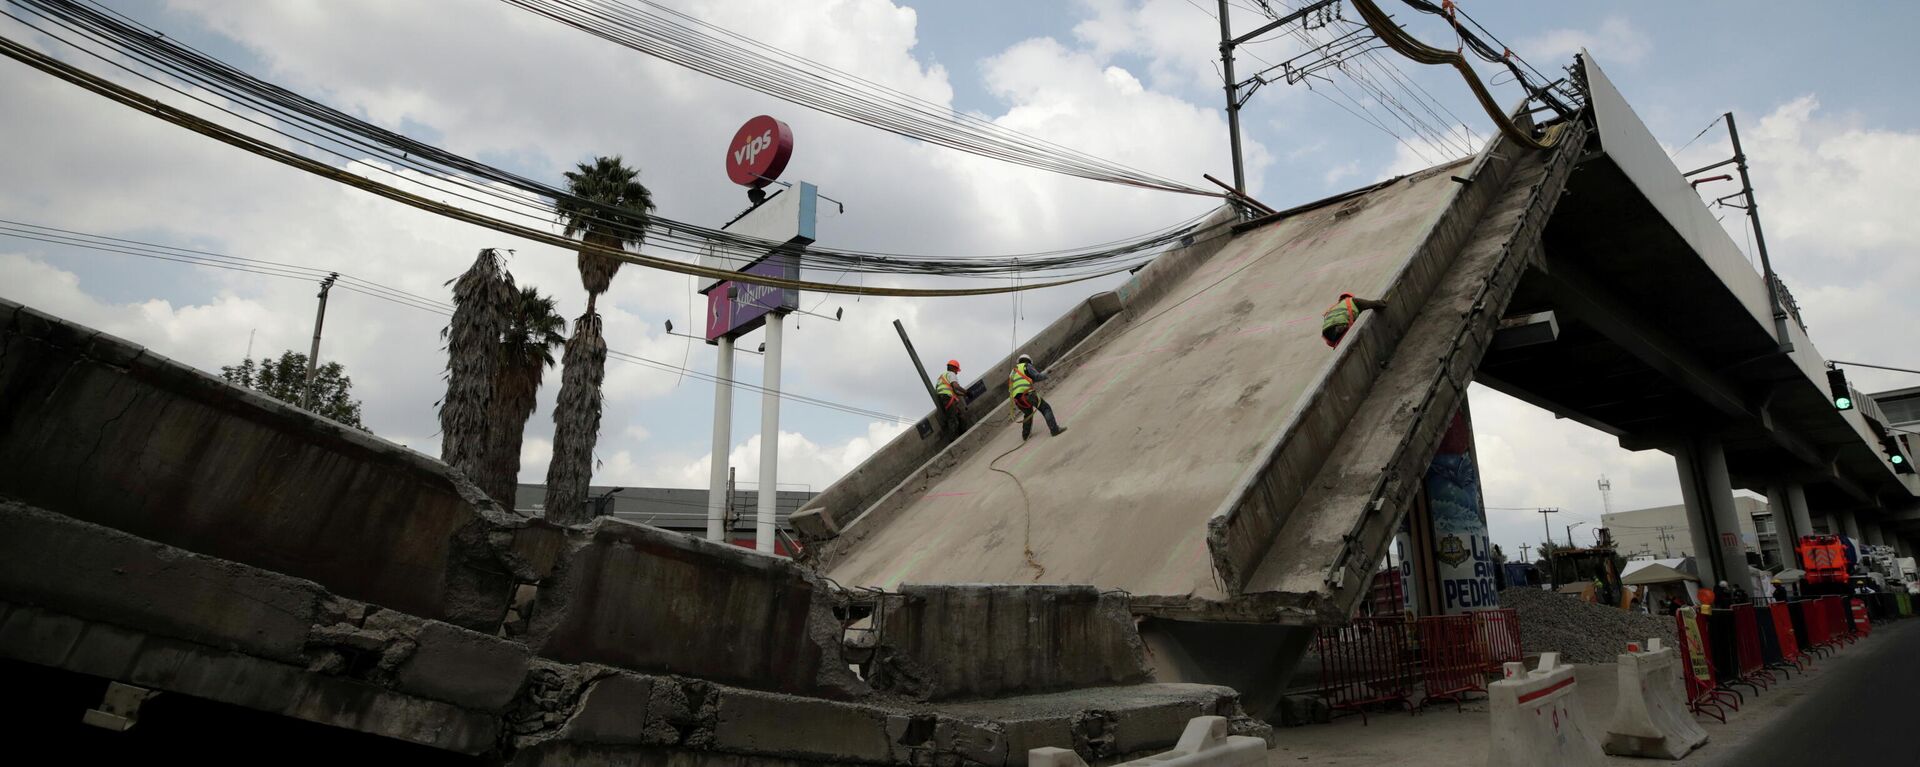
(1369, 662)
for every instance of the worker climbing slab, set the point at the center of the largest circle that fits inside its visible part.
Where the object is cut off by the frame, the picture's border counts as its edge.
(1168, 404)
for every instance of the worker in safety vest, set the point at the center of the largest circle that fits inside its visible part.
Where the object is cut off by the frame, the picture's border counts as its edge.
(1025, 400)
(1339, 317)
(952, 395)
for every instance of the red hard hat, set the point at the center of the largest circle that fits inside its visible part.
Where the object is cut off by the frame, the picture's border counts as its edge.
(955, 364)
(1346, 295)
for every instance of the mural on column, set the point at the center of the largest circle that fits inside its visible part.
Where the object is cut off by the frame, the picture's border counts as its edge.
(1461, 548)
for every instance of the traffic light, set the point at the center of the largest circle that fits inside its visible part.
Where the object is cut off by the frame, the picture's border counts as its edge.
(1837, 384)
(1890, 445)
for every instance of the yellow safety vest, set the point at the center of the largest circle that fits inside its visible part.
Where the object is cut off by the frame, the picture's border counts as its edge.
(1342, 312)
(1019, 382)
(946, 385)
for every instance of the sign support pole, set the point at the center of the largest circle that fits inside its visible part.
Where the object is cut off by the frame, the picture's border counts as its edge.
(769, 494)
(717, 481)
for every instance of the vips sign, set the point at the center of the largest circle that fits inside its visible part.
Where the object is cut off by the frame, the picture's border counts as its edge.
(759, 152)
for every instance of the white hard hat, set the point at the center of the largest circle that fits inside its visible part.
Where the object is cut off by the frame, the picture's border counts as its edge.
(1025, 358)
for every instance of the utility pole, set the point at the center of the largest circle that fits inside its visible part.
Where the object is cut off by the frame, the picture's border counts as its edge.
(313, 357)
(1232, 86)
(1739, 161)
(1523, 554)
(1666, 552)
(1553, 577)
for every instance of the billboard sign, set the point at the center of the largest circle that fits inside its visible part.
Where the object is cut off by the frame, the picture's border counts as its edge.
(759, 151)
(737, 307)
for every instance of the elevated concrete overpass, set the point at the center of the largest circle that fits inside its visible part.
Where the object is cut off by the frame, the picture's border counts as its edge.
(1225, 467)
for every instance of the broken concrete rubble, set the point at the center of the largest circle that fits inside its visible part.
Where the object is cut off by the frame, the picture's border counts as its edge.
(280, 644)
(942, 642)
(208, 542)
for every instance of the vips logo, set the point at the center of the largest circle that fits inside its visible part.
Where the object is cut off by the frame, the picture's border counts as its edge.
(759, 152)
(747, 152)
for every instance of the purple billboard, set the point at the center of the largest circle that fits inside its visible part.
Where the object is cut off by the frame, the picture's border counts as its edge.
(737, 307)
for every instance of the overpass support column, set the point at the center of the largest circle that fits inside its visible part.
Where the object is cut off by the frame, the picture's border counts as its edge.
(1849, 525)
(1872, 531)
(1712, 520)
(1802, 519)
(1785, 530)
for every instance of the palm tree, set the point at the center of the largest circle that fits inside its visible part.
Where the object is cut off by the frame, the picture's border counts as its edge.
(607, 207)
(534, 330)
(483, 299)
(576, 422)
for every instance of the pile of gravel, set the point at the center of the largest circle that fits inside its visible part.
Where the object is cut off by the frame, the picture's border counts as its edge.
(1582, 632)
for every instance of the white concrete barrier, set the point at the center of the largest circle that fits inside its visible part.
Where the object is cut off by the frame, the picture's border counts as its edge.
(1205, 743)
(1537, 721)
(1650, 718)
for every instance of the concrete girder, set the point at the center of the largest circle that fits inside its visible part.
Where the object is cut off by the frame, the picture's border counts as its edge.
(1571, 291)
(1568, 287)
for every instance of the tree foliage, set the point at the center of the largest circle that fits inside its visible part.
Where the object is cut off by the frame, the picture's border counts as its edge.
(284, 378)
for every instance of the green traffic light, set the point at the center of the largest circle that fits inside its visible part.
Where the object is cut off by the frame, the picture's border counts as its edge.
(1899, 459)
(1843, 403)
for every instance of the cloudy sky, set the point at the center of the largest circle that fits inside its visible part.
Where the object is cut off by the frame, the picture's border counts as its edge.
(1835, 153)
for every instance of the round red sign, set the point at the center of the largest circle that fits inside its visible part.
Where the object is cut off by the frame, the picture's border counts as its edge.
(759, 152)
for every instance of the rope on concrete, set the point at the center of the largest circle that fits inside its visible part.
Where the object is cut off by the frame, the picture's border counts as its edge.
(1026, 506)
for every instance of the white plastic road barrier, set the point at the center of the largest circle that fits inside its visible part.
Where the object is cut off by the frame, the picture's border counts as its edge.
(1205, 743)
(1536, 720)
(1651, 719)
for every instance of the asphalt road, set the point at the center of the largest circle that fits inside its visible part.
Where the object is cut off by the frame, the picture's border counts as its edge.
(1862, 715)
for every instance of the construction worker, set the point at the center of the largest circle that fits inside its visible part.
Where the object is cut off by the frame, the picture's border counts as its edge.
(1339, 317)
(952, 395)
(1025, 400)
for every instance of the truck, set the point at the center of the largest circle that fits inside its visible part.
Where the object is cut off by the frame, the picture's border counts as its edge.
(1829, 562)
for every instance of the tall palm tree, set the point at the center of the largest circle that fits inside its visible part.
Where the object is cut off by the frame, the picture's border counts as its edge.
(607, 207)
(483, 299)
(534, 330)
(576, 422)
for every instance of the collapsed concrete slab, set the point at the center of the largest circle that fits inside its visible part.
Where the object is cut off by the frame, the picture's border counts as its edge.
(97, 428)
(639, 597)
(109, 605)
(942, 642)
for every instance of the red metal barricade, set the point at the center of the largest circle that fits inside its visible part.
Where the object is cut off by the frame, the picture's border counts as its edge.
(1499, 636)
(1862, 620)
(1746, 643)
(1837, 629)
(1452, 658)
(1370, 662)
(1783, 629)
(1697, 668)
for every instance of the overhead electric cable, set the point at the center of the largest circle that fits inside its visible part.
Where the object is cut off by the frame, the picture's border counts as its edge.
(368, 288)
(678, 38)
(479, 179)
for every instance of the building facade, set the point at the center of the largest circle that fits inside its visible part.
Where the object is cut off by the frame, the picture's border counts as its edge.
(1661, 532)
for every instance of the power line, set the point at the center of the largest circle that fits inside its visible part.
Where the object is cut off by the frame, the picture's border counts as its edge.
(316, 126)
(381, 292)
(672, 36)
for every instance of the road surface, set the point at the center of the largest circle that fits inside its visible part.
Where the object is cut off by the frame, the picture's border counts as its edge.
(1862, 714)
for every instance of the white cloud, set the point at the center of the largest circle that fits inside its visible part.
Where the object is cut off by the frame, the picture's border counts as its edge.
(1616, 41)
(550, 98)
